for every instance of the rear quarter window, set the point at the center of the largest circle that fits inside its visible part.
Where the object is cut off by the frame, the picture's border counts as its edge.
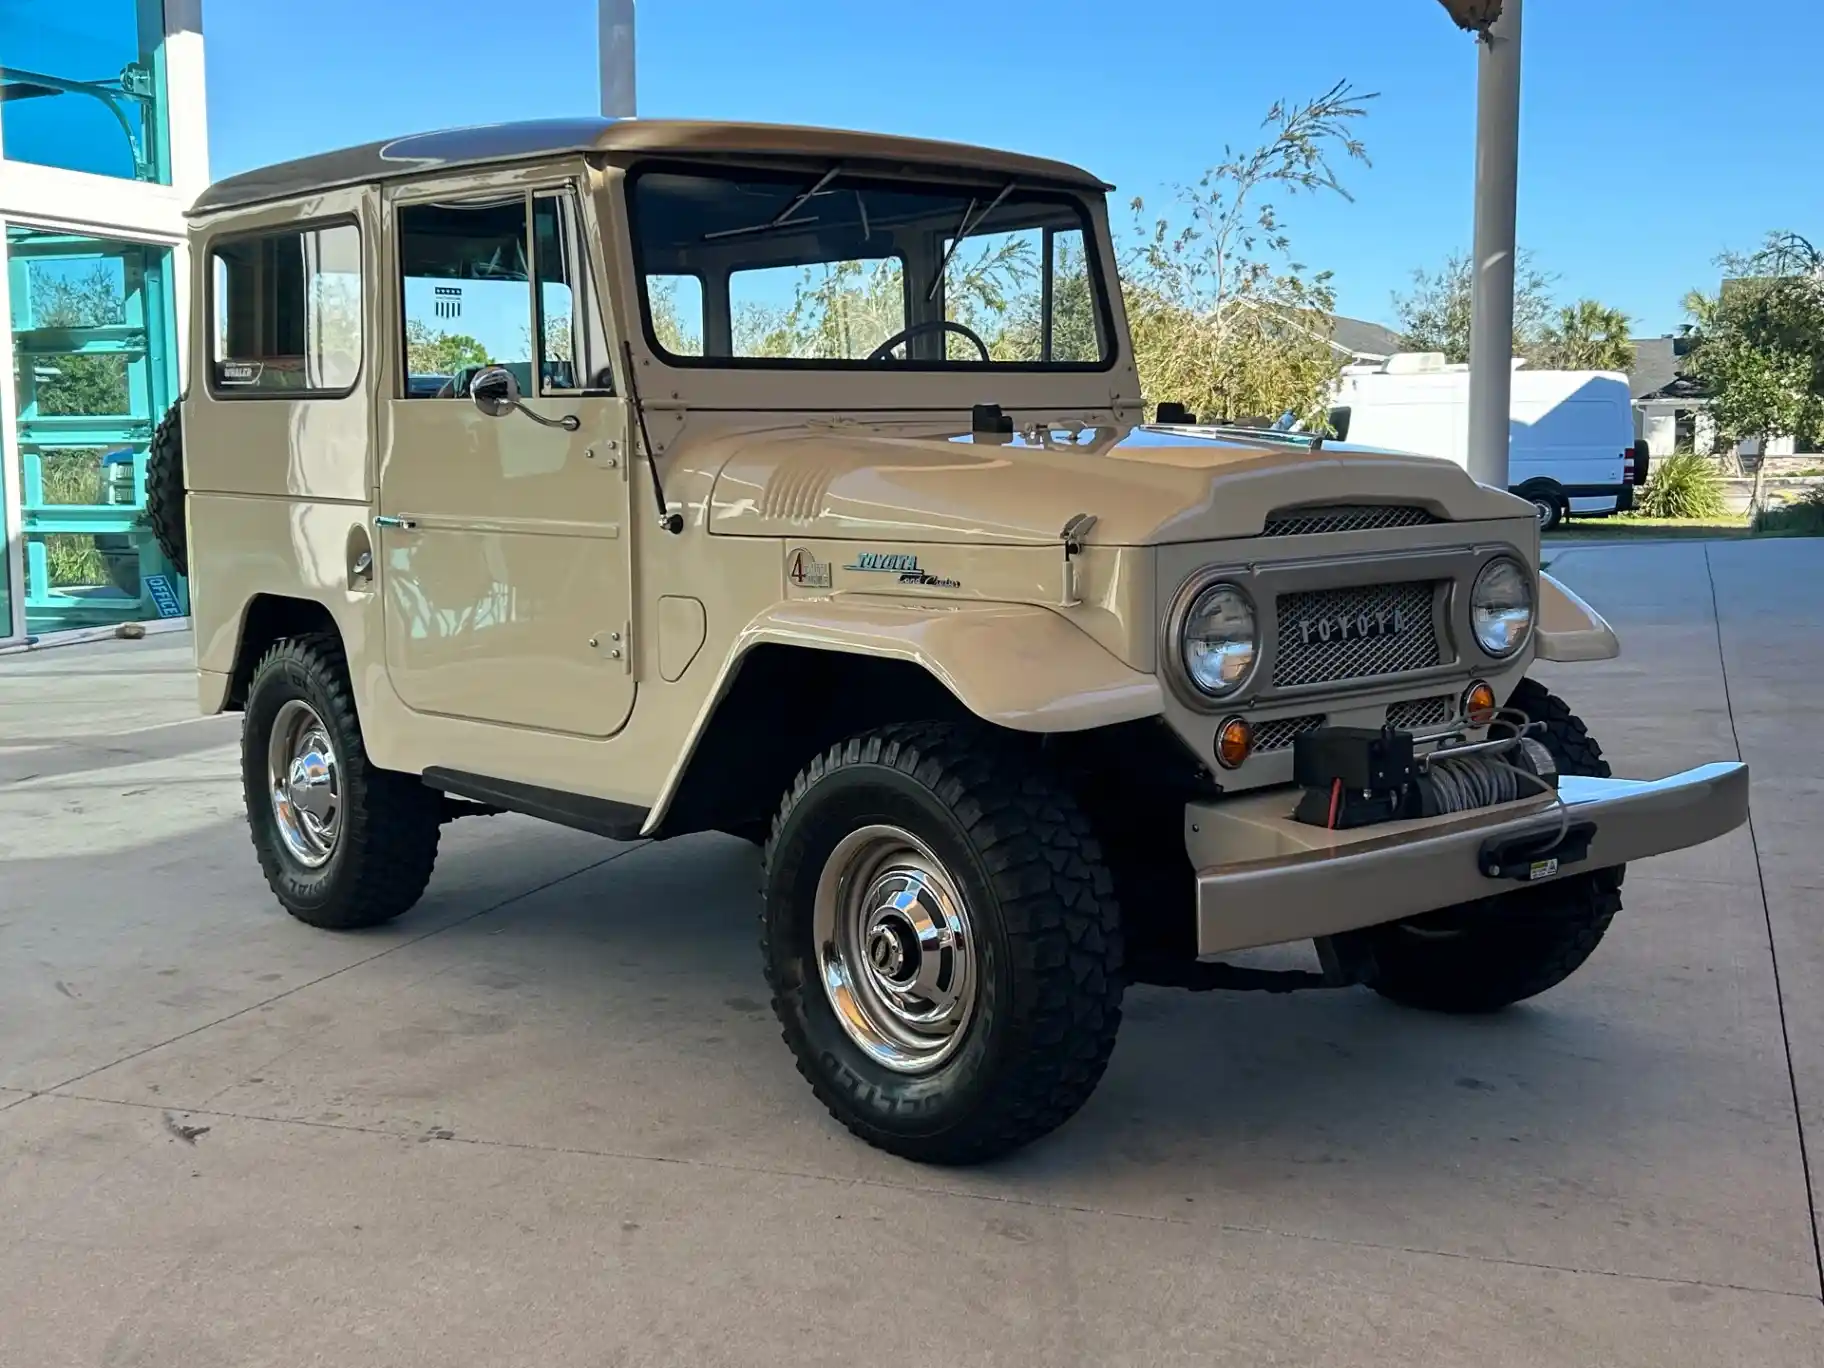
(286, 313)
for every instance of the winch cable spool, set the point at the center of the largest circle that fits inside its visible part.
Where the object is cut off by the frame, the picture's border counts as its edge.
(1463, 783)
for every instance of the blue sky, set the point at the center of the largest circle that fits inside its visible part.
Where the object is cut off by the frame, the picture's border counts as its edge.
(1654, 135)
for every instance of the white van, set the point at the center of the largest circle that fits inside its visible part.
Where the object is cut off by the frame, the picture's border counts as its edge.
(1571, 433)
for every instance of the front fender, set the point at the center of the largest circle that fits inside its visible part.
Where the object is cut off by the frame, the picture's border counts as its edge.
(1015, 665)
(1569, 629)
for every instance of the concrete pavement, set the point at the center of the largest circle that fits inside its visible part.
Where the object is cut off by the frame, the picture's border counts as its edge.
(546, 1118)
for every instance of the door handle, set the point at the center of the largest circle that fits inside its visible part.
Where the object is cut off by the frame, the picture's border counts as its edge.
(402, 523)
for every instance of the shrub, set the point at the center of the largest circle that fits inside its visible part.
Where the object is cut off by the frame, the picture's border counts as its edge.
(1683, 485)
(72, 477)
(1800, 518)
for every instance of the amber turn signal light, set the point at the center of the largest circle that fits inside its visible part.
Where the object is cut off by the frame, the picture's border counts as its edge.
(1234, 741)
(1479, 704)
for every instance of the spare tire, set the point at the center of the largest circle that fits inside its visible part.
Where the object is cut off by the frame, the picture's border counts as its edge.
(165, 489)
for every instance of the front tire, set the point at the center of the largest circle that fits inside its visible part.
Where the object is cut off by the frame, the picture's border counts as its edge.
(1486, 955)
(942, 942)
(343, 843)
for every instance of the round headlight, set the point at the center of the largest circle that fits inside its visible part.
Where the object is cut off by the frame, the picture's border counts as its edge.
(1501, 607)
(1219, 640)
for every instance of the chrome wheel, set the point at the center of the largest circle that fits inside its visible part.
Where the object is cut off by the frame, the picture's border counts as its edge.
(1545, 511)
(304, 784)
(895, 949)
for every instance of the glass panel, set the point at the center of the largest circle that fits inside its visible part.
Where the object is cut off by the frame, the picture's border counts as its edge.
(288, 312)
(823, 267)
(557, 312)
(1076, 324)
(573, 350)
(82, 86)
(94, 366)
(677, 313)
(835, 311)
(995, 286)
(468, 299)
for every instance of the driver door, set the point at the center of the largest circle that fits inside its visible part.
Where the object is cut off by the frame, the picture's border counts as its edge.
(504, 540)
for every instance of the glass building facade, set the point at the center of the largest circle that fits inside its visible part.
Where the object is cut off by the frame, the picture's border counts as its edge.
(82, 86)
(94, 366)
(93, 269)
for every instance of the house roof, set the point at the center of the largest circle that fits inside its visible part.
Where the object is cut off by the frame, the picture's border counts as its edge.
(507, 142)
(1361, 338)
(1658, 371)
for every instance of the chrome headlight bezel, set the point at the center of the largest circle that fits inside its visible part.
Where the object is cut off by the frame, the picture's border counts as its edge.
(1528, 584)
(1178, 620)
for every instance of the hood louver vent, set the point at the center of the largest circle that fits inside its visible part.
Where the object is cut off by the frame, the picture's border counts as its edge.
(1304, 522)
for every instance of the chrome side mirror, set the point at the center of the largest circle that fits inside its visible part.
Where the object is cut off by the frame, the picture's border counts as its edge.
(495, 391)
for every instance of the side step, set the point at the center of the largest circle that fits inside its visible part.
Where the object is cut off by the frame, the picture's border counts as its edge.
(598, 816)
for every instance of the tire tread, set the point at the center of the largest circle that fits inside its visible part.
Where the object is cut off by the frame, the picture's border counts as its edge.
(1061, 922)
(390, 822)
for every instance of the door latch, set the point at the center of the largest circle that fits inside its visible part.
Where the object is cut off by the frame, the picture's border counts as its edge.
(402, 523)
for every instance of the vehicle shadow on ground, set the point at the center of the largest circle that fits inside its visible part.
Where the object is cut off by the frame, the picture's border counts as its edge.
(595, 976)
(1310, 1078)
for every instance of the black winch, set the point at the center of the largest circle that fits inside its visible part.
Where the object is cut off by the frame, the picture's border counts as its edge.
(1358, 776)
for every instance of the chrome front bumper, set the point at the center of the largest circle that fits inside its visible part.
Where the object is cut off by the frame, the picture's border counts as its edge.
(1263, 879)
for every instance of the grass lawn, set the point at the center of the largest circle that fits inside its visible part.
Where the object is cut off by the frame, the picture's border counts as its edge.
(1628, 527)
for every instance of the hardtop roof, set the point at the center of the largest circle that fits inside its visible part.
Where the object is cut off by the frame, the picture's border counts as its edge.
(484, 144)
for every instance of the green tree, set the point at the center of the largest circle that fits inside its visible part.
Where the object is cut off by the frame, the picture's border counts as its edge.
(1225, 320)
(1758, 343)
(69, 383)
(430, 352)
(1434, 314)
(1587, 335)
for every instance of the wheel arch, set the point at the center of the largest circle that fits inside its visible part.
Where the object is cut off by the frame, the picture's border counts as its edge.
(806, 674)
(265, 619)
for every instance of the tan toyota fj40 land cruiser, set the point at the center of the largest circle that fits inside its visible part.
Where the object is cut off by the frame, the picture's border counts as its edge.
(660, 477)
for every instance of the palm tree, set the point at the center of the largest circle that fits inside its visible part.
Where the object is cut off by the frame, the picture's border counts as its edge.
(1587, 335)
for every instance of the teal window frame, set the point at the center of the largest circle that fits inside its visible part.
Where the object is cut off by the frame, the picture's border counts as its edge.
(138, 94)
(146, 336)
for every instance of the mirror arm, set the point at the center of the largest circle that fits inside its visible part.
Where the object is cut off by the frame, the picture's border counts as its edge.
(508, 399)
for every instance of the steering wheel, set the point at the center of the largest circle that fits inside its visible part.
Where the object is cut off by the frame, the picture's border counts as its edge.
(885, 349)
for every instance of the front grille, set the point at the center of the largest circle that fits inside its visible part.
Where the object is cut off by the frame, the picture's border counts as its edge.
(1416, 713)
(1303, 522)
(1278, 734)
(1327, 635)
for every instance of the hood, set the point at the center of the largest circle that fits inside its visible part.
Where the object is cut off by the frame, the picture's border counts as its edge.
(1144, 485)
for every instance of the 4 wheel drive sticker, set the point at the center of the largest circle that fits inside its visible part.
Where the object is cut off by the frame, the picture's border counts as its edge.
(807, 572)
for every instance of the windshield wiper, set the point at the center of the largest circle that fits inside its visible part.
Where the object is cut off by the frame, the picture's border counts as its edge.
(965, 227)
(783, 219)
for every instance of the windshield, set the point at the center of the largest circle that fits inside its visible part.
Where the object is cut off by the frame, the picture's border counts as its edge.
(821, 268)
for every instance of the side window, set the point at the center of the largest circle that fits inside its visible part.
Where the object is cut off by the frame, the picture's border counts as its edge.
(287, 312)
(466, 299)
(573, 349)
(497, 283)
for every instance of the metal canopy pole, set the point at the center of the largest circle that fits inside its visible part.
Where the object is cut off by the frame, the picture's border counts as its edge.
(618, 93)
(1491, 329)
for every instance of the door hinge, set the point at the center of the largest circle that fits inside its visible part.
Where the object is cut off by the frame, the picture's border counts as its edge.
(609, 455)
(617, 646)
